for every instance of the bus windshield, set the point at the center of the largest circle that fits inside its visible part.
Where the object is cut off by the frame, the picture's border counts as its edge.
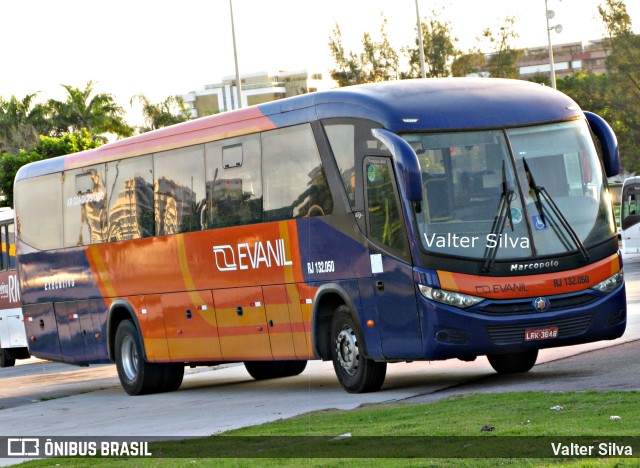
(518, 193)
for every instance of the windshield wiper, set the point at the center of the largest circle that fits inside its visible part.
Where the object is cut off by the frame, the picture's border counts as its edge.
(497, 228)
(540, 195)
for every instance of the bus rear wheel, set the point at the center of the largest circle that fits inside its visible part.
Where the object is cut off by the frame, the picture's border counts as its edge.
(355, 372)
(262, 370)
(137, 376)
(6, 358)
(513, 363)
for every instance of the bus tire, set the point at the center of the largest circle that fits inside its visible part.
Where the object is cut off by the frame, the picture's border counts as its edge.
(355, 372)
(513, 363)
(137, 376)
(262, 370)
(173, 373)
(6, 359)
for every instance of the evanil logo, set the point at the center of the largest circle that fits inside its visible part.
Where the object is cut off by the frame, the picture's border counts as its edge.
(265, 254)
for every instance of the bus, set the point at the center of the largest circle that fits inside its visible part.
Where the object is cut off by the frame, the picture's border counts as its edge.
(630, 215)
(13, 339)
(389, 222)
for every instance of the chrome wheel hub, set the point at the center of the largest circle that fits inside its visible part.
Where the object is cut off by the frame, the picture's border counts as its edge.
(347, 350)
(129, 358)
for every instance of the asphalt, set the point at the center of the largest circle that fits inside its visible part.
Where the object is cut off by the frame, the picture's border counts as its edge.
(613, 368)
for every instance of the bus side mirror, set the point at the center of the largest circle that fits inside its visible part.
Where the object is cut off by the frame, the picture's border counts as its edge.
(608, 142)
(408, 166)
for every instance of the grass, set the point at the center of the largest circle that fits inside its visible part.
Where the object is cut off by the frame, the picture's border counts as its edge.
(401, 434)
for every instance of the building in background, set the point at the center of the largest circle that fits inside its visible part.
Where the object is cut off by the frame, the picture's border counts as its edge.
(257, 88)
(587, 57)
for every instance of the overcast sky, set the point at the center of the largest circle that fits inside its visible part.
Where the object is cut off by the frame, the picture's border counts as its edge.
(161, 47)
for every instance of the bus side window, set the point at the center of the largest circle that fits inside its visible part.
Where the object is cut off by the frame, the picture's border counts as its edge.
(233, 182)
(342, 140)
(84, 204)
(295, 184)
(179, 190)
(130, 183)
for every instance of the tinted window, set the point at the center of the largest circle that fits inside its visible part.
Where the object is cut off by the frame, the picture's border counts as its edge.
(385, 223)
(295, 184)
(341, 137)
(84, 199)
(130, 199)
(39, 211)
(351, 140)
(179, 190)
(234, 187)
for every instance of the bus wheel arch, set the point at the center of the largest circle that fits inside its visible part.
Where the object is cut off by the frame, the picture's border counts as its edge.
(120, 310)
(329, 298)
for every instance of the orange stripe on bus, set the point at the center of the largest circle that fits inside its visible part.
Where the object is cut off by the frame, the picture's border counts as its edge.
(546, 284)
(102, 271)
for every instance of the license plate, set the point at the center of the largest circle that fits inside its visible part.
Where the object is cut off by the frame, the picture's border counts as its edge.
(533, 334)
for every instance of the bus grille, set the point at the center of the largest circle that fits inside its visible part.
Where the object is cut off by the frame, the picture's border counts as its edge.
(525, 306)
(515, 333)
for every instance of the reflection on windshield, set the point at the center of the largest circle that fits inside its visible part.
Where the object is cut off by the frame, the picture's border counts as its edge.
(466, 176)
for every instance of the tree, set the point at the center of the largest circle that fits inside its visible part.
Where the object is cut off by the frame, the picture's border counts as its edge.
(624, 70)
(171, 111)
(470, 63)
(503, 62)
(47, 147)
(98, 113)
(21, 121)
(380, 62)
(439, 49)
(9, 165)
(377, 62)
(592, 92)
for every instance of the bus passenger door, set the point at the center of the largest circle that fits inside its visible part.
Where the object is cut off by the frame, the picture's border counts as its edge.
(242, 324)
(191, 327)
(392, 275)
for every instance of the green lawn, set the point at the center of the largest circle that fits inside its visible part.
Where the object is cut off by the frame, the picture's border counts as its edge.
(524, 427)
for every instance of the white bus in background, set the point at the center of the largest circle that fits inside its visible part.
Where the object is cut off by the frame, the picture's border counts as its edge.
(13, 339)
(630, 215)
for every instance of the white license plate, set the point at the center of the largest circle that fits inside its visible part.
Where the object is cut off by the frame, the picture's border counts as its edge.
(534, 334)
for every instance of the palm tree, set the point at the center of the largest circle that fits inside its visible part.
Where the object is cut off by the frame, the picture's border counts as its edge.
(98, 113)
(21, 123)
(171, 111)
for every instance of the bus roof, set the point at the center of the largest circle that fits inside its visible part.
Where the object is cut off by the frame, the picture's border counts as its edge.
(434, 104)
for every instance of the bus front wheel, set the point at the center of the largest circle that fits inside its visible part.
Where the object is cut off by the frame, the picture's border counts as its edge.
(137, 376)
(513, 363)
(355, 372)
(261, 370)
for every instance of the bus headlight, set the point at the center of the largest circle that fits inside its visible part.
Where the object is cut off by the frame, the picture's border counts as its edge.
(449, 297)
(610, 284)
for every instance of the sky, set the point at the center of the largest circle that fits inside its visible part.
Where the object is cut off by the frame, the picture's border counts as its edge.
(160, 48)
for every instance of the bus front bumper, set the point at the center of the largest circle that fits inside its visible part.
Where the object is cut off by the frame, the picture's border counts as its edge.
(496, 327)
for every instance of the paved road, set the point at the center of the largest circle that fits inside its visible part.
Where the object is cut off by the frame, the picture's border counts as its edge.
(46, 399)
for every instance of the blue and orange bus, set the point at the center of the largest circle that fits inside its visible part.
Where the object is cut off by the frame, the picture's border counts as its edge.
(400, 221)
